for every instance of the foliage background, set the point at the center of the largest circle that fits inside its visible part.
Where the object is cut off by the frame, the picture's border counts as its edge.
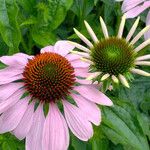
(28, 25)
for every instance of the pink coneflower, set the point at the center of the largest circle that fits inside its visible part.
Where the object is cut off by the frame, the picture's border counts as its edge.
(133, 8)
(35, 88)
(113, 59)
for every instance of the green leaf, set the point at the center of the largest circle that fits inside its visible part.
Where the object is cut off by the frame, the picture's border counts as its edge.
(9, 28)
(137, 92)
(121, 125)
(79, 145)
(43, 37)
(57, 11)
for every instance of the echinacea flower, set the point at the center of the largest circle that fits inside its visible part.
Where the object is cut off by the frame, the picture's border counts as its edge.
(113, 59)
(35, 88)
(133, 8)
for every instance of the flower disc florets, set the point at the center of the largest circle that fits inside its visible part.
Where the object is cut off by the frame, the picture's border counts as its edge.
(49, 77)
(113, 55)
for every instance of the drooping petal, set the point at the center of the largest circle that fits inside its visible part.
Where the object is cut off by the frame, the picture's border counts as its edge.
(137, 10)
(79, 64)
(77, 121)
(34, 137)
(47, 49)
(9, 72)
(4, 105)
(11, 118)
(55, 133)
(83, 81)
(24, 126)
(81, 72)
(8, 89)
(129, 4)
(93, 94)
(147, 34)
(90, 109)
(63, 47)
(17, 60)
(6, 80)
(73, 57)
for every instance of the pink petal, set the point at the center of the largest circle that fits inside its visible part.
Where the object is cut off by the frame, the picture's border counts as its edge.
(91, 93)
(4, 105)
(24, 126)
(90, 109)
(83, 81)
(147, 34)
(11, 87)
(72, 57)
(47, 49)
(55, 134)
(11, 118)
(34, 137)
(77, 121)
(11, 79)
(81, 72)
(63, 47)
(17, 60)
(79, 64)
(129, 4)
(137, 10)
(9, 72)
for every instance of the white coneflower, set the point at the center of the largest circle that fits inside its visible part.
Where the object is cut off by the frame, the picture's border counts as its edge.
(114, 58)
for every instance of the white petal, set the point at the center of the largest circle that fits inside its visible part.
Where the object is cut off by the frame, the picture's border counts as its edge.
(104, 77)
(93, 75)
(121, 28)
(81, 54)
(115, 79)
(124, 80)
(145, 57)
(146, 63)
(140, 72)
(132, 30)
(79, 46)
(141, 46)
(83, 38)
(104, 28)
(136, 38)
(91, 32)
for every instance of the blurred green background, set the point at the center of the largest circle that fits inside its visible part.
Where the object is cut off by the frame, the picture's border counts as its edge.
(28, 25)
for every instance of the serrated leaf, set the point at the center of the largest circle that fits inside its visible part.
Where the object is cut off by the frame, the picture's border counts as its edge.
(121, 125)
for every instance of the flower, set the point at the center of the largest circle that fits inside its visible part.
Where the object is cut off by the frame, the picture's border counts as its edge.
(132, 8)
(35, 88)
(113, 58)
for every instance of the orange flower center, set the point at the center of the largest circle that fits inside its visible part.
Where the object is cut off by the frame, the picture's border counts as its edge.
(49, 77)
